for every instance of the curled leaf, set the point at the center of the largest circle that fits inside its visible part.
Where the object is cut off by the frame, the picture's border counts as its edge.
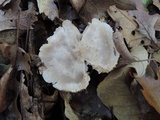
(150, 89)
(141, 56)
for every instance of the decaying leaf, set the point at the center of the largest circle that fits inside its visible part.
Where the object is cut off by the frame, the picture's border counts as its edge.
(156, 56)
(8, 36)
(146, 23)
(156, 3)
(29, 109)
(4, 2)
(49, 100)
(97, 9)
(114, 92)
(151, 89)
(128, 25)
(121, 47)
(85, 105)
(77, 4)
(23, 61)
(136, 91)
(69, 113)
(66, 11)
(13, 112)
(6, 88)
(67, 49)
(10, 18)
(48, 7)
(22, 58)
(141, 56)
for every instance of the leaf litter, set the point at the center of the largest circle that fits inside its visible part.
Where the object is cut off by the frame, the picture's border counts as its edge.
(114, 46)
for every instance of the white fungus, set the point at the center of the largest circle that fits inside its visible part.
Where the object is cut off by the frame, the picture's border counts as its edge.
(67, 50)
(97, 41)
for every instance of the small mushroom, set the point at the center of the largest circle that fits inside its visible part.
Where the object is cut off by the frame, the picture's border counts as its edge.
(97, 41)
(66, 69)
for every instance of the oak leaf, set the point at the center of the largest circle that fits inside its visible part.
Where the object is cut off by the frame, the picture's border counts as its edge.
(151, 89)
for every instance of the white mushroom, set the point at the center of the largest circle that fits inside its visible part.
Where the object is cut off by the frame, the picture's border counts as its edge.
(97, 41)
(65, 67)
(67, 50)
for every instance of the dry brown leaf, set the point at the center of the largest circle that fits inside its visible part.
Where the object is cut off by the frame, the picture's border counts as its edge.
(69, 113)
(13, 111)
(77, 4)
(121, 47)
(23, 61)
(3, 89)
(146, 23)
(9, 51)
(50, 100)
(156, 56)
(156, 3)
(128, 25)
(22, 58)
(86, 105)
(29, 109)
(97, 9)
(151, 89)
(114, 92)
(66, 11)
(48, 7)
(10, 18)
(26, 99)
(8, 36)
(6, 88)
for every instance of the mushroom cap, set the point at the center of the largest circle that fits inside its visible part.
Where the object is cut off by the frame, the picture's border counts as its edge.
(98, 42)
(65, 68)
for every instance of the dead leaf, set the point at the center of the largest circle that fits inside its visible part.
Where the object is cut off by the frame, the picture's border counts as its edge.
(86, 105)
(10, 18)
(9, 51)
(8, 36)
(129, 27)
(156, 3)
(69, 113)
(13, 111)
(29, 109)
(97, 9)
(156, 56)
(121, 47)
(48, 7)
(140, 5)
(146, 23)
(7, 88)
(114, 92)
(4, 2)
(151, 89)
(23, 61)
(66, 11)
(77, 4)
(3, 68)
(141, 56)
(50, 100)
(22, 58)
